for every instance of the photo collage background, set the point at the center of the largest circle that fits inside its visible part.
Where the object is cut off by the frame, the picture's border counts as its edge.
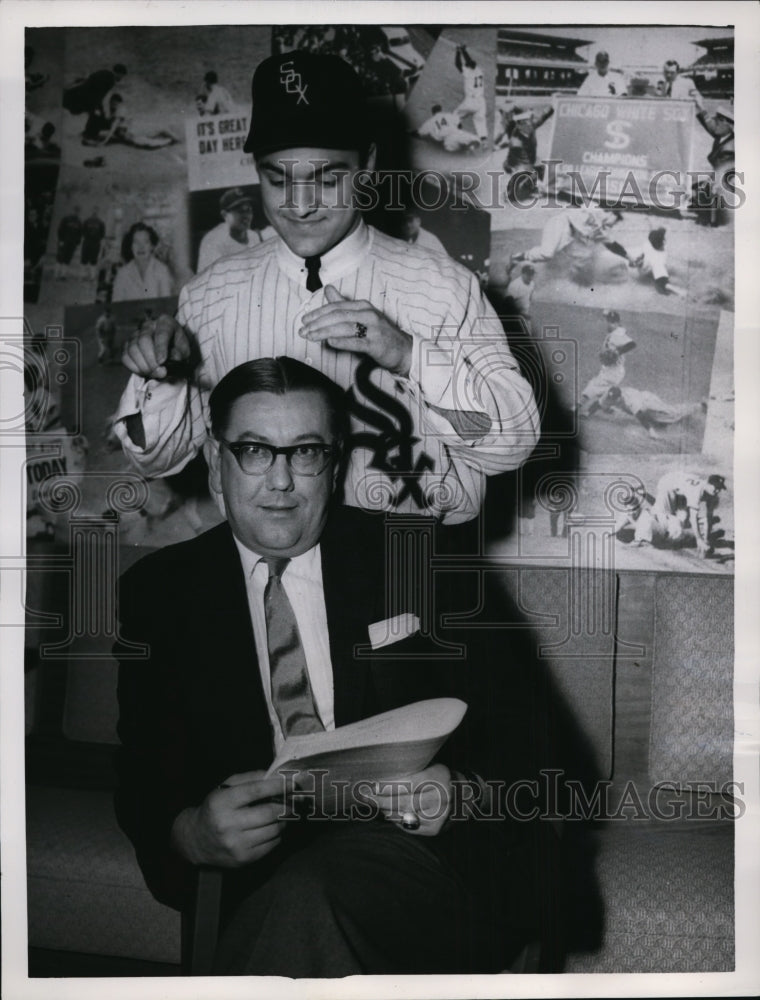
(625, 325)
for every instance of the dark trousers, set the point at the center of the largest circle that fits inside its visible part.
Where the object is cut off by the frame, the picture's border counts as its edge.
(363, 898)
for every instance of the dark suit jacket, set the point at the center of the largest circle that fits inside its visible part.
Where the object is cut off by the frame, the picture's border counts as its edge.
(724, 144)
(193, 712)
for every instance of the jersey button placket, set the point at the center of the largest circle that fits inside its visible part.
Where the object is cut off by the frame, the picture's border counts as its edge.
(307, 346)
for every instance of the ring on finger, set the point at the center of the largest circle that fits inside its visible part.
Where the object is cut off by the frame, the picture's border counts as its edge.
(360, 331)
(410, 821)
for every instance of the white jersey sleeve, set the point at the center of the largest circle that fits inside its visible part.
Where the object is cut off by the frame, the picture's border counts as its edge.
(172, 413)
(472, 392)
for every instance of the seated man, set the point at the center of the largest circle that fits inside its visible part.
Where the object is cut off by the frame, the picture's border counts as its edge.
(267, 625)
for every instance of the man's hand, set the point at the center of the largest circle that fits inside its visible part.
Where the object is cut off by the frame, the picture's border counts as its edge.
(235, 824)
(427, 795)
(357, 326)
(156, 343)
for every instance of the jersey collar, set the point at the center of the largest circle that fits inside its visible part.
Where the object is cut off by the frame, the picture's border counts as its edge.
(345, 258)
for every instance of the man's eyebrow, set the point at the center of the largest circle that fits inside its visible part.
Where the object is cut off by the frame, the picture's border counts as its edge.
(253, 437)
(315, 438)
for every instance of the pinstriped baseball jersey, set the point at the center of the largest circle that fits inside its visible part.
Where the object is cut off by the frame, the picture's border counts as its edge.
(421, 444)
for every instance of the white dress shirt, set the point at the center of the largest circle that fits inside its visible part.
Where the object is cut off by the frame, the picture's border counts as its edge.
(302, 582)
(681, 89)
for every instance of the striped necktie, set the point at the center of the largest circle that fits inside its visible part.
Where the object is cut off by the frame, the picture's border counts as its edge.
(292, 697)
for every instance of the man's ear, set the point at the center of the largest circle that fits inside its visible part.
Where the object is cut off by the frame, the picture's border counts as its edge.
(214, 459)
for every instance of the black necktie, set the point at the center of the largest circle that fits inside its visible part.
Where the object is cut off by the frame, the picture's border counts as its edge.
(313, 281)
(292, 697)
(669, 90)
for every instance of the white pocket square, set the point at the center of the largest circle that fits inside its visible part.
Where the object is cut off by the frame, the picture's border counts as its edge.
(393, 629)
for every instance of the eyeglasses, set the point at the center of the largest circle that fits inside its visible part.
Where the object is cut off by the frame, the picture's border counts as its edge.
(256, 458)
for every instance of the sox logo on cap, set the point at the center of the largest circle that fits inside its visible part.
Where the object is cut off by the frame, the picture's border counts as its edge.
(293, 82)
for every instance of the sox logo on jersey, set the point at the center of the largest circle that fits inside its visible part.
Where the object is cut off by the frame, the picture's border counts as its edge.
(392, 446)
(293, 82)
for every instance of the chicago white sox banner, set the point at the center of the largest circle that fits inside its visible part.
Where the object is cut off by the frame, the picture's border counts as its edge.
(622, 149)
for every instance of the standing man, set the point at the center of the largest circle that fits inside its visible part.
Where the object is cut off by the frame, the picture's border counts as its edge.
(436, 397)
(105, 330)
(277, 622)
(234, 232)
(674, 86)
(474, 102)
(721, 158)
(519, 136)
(93, 234)
(69, 238)
(603, 81)
(721, 127)
(616, 344)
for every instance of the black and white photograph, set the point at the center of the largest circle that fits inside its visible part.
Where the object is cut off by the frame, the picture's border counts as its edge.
(114, 238)
(449, 115)
(375, 456)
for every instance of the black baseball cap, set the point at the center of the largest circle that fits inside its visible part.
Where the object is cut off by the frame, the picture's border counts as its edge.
(304, 99)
